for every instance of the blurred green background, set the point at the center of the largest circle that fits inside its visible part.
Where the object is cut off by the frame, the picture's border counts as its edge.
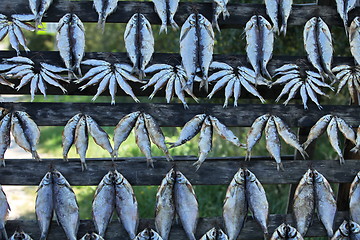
(229, 41)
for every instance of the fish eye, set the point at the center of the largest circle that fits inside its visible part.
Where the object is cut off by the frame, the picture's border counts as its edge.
(151, 234)
(311, 174)
(247, 173)
(352, 225)
(57, 175)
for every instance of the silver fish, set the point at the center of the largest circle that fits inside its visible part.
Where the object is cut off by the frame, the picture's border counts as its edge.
(210, 235)
(343, 232)
(65, 205)
(354, 230)
(38, 8)
(224, 132)
(104, 8)
(354, 36)
(318, 129)
(126, 204)
(68, 135)
(259, 45)
(166, 10)
(257, 201)
(165, 205)
(81, 141)
(325, 202)
(273, 144)
(5, 126)
(280, 232)
(142, 140)
(288, 136)
(196, 48)
(25, 132)
(100, 137)
(148, 234)
(255, 133)
(123, 129)
(332, 132)
(4, 213)
(293, 234)
(92, 236)
(186, 205)
(304, 202)
(44, 204)
(191, 128)
(205, 142)
(235, 207)
(343, 8)
(20, 235)
(354, 197)
(279, 12)
(156, 135)
(346, 129)
(139, 42)
(318, 46)
(103, 204)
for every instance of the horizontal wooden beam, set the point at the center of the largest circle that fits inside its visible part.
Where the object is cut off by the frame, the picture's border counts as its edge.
(174, 115)
(116, 231)
(30, 172)
(239, 13)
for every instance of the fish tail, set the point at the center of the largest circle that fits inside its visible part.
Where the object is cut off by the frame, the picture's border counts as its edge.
(35, 155)
(43, 237)
(83, 165)
(168, 156)
(141, 74)
(355, 149)
(279, 166)
(115, 153)
(204, 84)
(163, 28)
(276, 29)
(150, 162)
(265, 71)
(185, 105)
(305, 145)
(303, 153)
(101, 23)
(37, 20)
(283, 29)
(332, 77)
(248, 155)
(342, 161)
(215, 24)
(3, 233)
(174, 24)
(65, 157)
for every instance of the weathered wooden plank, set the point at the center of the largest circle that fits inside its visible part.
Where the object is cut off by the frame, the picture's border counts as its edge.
(239, 13)
(170, 115)
(115, 230)
(30, 172)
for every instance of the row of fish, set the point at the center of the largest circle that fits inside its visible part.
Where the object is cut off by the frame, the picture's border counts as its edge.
(205, 125)
(24, 130)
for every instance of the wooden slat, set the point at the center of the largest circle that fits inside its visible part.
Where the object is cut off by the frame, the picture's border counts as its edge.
(115, 231)
(30, 172)
(239, 13)
(170, 115)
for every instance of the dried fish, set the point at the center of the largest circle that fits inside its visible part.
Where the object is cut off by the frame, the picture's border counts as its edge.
(224, 132)
(5, 126)
(220, 8)
(354, 31)
(142, 140)
(318, 129)
(148, 234)
(44, 204)
(4, 213)
(332, 132)
(343, 8)
(273, 142)
(81, 141)
(255, 133)
(104, 8)
(68, 135)
(354, 197)
(205, 142)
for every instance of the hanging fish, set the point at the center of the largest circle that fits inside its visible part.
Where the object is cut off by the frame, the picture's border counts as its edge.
(166, 10)
(4, 213)
(343, 8)
(279, 12)
(139, 43)
(196, 48)
(71, 41)
(104, 8)
(259, 45)
(38, 8)
(354, 198)
(220, 8)
(354, 38)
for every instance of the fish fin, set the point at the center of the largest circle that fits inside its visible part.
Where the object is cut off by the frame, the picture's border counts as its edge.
(174, 24)
(279, 166)
(150, 163)
(248, 156)
(163, 28)
(3, 162)
(185, 33)
(65, 157)
(265, 71)
(197, 165)
(215, 24)
(35, 155)
(101, 23)
(342, 161)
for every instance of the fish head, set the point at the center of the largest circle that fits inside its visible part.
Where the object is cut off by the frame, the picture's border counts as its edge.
(354, 227)
(292, 232)
(344, 228)
(318, 177)
(95, 236)
(180, 178)
(118, 177)
(109, 178)
(143, 235)
(211, 234)
(200, 117)
(249, 176)
(89, 119)
(201, 19)
(20, 236)
(192, 19)
(170, 177)
(58, 178)
(240, 177)
(147, 116)
(133, 19)
(66, 18)
(221, 235)
(87, 236)
(309, 177)
(47, 179)
(327, 117)
(282, 230)
(154, 235)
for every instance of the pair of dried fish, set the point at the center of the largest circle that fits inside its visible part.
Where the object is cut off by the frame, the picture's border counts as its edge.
(309, 85)
(91, 236)
(175, 79)
(279, 12)
(314, 192)
(205, 125)
(24, 130)
(148, 234)
(4, 213)
(76, 131)
(319, 47)
(115, 192)
(233, 78)
(71, 41)
(56, 195)
(259, 46)
(196, 48)
(332, 125)
(108, 75)
(176, 196)
(347, 230)
(20, 235)
(13, 28)
(244, 191)
(286, 232)
(146, 129)
(139, 43)
(38, 8)
(25, 69)
(274, 127)
(214, 234)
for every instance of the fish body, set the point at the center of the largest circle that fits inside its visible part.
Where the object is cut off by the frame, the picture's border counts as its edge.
(332, 132)
(139, 42)
(103, 204)
(142, 140)
(235, 207)
(255, 133)
(354, 39)
(126, 205)
(205, 142)
(343, 8)
(354, 198)
(224, 132)
(273, 144)
(318, 129)
(191, 128)
(346, 129)
(81, 141)
(325, 202)
(165, 205)
(5, 126)
(68, 135)
(104, 8)
(65, 206)
(257, 201)
(186, 205)
(279, 12)
(304, 203)
(4, 213)
(100, 137)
